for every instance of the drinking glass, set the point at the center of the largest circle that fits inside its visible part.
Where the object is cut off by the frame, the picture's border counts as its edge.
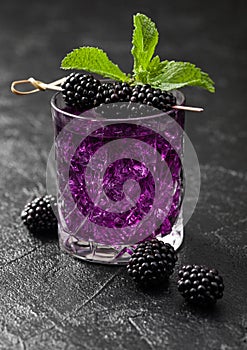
(119, 178)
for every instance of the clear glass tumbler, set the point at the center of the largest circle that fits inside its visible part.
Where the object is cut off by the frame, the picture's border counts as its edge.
(119, 178)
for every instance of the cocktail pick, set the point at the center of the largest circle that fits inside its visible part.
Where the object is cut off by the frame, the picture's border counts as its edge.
(38, 85)
(55, 86)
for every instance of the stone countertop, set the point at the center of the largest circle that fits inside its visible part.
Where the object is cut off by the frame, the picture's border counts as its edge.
(52, 301)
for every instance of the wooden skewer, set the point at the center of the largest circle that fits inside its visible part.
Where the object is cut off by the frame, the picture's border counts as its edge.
(39, 86)
(55, 85)
(188, 108)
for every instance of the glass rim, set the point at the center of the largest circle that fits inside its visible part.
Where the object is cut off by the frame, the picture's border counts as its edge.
(80, 116)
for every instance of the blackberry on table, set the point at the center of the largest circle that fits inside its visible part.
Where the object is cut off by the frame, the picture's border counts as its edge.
(80, 90)
(200, 284)
(38, 215)
(152, 262)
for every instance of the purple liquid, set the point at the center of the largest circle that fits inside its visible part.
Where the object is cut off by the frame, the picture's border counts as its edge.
(88, 218)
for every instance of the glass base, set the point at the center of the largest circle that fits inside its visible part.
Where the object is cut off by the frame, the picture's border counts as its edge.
(118, 255)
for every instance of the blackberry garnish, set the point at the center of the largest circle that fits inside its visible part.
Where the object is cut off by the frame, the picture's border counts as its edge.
(38, 215)
(200, 284)
(138, 96)
(115, 92)
(145, 94)
(152, 262)
(125, 110)
(85, 92)
(81, 91)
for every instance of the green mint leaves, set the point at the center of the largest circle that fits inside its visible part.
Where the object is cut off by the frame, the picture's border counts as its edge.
(174, 75)
(93, 60)
(145, 39)
(166, 75)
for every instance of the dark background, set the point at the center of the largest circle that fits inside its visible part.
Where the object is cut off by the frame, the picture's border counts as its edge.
(52, 301)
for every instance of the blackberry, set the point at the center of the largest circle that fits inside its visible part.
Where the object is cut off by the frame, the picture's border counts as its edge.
(80, 91)
(125, 110)
(115, 92)
(145, 94)
(200, 284)
(152, 262)
(38, 215)
(85, 92)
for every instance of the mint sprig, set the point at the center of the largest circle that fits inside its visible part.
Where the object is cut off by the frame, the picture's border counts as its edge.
(166, 75)
(93, 60)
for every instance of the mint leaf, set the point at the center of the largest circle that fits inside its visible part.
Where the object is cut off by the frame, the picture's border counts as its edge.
(174, 75)
(207, 83)
(93, 60)
(145, 39)
(154, 68)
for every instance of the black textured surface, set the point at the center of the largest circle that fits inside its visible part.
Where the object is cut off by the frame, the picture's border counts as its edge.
(52, 301)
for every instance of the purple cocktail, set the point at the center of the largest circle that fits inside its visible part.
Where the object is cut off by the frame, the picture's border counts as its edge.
(119, 175)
